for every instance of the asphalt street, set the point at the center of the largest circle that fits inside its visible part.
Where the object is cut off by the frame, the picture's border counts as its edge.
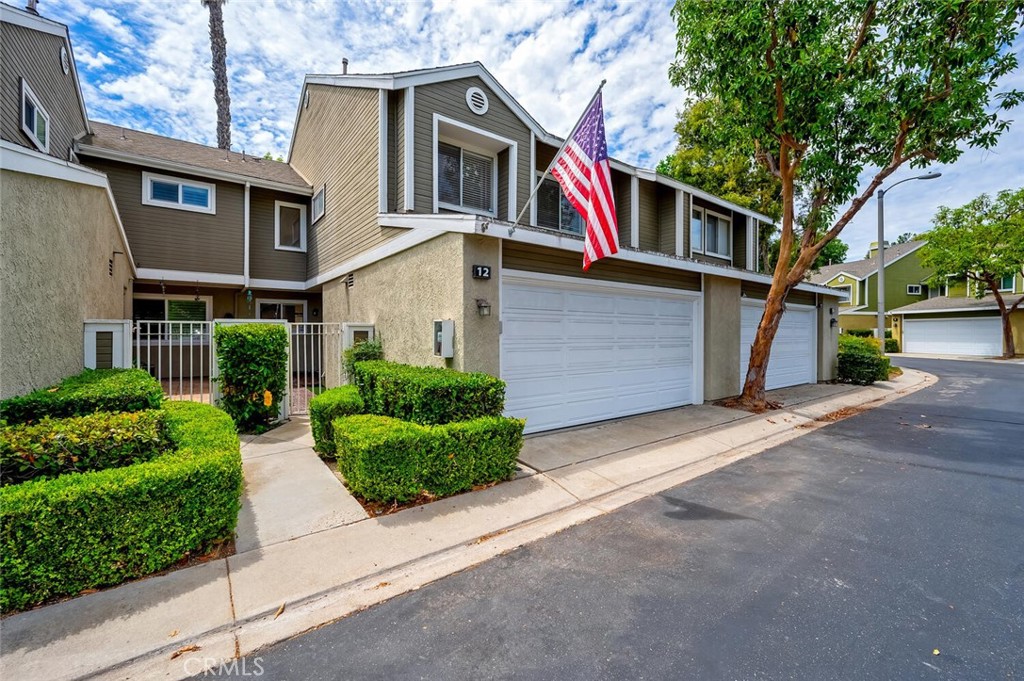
(889, 545)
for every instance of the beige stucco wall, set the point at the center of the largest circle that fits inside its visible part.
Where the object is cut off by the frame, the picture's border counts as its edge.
(402, 295)
(828, 338)
(55, 240)
(721, 337)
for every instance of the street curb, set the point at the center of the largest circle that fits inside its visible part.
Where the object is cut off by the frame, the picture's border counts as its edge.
(243, 638)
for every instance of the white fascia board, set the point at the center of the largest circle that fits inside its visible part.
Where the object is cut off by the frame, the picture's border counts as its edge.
(191, 277)
(396, 245)
(175, 167)
(282, 284)
(295, 123)
(986, 308)
(19, 159)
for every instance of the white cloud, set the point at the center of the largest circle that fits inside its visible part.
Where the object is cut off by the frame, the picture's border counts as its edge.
(98, 60)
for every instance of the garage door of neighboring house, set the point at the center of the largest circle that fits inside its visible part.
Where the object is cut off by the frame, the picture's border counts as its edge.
(576, 351)
(794, 357)
(980, 336)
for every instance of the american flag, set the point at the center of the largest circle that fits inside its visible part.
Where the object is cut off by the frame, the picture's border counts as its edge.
(583, 170)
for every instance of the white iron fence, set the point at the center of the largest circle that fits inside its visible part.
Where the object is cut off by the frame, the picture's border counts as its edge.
(182, 357)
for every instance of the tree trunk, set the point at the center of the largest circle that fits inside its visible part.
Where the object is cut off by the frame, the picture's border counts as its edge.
(1009, 351)
(219, 50)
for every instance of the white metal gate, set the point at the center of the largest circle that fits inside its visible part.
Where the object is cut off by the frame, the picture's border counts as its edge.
(182, 357)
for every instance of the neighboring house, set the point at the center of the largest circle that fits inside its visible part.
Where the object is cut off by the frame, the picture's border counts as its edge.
(64, 257)
(857, 281)
(394, 216)
(956, 322)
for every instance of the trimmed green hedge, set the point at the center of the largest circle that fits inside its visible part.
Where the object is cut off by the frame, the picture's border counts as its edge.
(892, 345)
(80, 531)
(90, 391)
(253, 361)
(860, 361)
(361, 352)
(428, 395)
(385, 459)
(80, 444)
(327, 406)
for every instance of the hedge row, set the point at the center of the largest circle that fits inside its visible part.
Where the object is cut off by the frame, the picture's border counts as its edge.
(386, 459)
(860, 360)
(90, 391)
(427, 395)
(253, 364)
(327, 406)
(80, 531)
(80, 444)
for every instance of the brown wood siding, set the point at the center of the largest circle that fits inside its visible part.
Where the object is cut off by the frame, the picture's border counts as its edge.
(167, 238)
(648, 214)
(503, 159)
(666, 219)
(336, 143)
(623, 202)
(752, 289)
(265, 261)
(739, 240)
(397, 173)
(449, 99)
(35, 56)
(530, 258)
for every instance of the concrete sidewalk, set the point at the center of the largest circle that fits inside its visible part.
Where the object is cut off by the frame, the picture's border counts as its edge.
(307, 556)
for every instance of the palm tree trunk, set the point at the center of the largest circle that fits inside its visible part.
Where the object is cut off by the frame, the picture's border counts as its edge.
(219, 49)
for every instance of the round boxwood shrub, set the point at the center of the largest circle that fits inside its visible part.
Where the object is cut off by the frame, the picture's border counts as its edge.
(85, 530)
(253, 364)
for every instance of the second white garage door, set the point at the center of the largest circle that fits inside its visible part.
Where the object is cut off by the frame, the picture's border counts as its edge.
(576, 351)
(980, 336)
(794, 357)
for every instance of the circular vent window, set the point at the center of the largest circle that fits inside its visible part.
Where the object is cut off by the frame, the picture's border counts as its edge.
(842, 279)
(65, 63)
(477, 101)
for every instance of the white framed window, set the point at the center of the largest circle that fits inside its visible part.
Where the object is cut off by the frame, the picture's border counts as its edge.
(353, 334)
(696, 231)
(174, 192)
(466, 180)
(554, 210)
(290, 310)
(913, 289)
(1006, 283)
(317, 204)
(717, 235)
(35, 122)
(171, 308)
(289, 226)
(845, 293)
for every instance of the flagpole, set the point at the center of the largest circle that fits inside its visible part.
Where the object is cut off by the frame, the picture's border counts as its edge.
(512, 229)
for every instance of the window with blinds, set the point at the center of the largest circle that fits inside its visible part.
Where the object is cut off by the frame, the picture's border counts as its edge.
(465, 179)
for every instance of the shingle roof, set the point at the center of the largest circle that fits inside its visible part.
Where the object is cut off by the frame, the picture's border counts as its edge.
(862, 268)
(955, 303)
(201, 157)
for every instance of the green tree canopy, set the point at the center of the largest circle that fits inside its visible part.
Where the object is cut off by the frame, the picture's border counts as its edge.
(981, 241)
(825, 90)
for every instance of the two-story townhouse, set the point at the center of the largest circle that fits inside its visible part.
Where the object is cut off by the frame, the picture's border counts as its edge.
(64, 257)
(423, 174)
(953, 320)
(906, 282)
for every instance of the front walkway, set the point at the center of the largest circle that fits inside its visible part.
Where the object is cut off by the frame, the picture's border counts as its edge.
(307, 554)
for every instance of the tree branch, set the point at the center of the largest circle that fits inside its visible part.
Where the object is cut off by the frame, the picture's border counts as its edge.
(862, 34)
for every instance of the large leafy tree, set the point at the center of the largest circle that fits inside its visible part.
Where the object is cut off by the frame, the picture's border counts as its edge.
(982, 241)
(828, 89)
(219, 53)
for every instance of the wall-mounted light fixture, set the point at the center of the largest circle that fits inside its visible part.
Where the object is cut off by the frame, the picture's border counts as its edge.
(483, 307)
(316, 312)
(833, 322)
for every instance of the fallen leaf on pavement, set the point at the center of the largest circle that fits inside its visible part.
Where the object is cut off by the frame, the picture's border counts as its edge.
(173, 634)
(382, 585)
(935, 652)
(184, 649)
(923, 425)
(279, 611)
(769, 421)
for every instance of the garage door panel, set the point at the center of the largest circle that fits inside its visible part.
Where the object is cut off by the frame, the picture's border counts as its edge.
(793, 356)
(604, 353)
(975, 336)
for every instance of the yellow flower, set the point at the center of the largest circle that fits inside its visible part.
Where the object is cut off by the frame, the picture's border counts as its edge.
(268, 399)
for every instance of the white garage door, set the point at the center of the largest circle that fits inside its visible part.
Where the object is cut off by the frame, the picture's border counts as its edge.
(980, 336)
(575, 351)
(794, 357)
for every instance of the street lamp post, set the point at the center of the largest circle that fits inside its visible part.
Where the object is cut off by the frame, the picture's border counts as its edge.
(881, 252)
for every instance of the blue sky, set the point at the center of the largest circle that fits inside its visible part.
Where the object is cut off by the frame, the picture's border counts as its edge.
(146, 65)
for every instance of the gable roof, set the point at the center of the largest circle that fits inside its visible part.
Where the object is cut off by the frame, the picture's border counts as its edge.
(862, 269)
(949, 304)
(399, 80)
(144, 148)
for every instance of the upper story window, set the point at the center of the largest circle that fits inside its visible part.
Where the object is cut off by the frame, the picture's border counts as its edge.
(554, 210)
(710, 233)
(174, 192)
(289, 226)
(318, 204)
(1006, 283)
(697, 230)
(35, 122)
(845, 293)
(466, 180)
(913, 289)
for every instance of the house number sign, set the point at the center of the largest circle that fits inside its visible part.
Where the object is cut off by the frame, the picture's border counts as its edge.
(481, 271)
